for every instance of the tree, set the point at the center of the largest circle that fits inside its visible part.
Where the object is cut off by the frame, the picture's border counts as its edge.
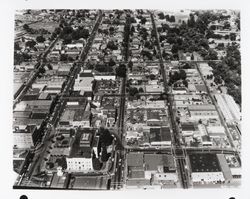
(49, 66)
(132, 29)
(57, 30)
(175, 49)
(217, 79)
(143, 20)
(204, 43)
(50, 165)
(141, 90)
(111, 45)
(30, 43)
(111, 62)
(147, 44)
(84, 33)
(97, 165)
(212, 55)
(161, 15)
(163, 96)
(226, 25)
(152, 76)
(105, 137)
(191, 21)
(133, 91)
(237, 21)
(40, 39)
(121, 70)
(67, 39)
(63, 57)
(67, 30)
(185, 82)
(182, 74)
(16, 46)
(232, 36)
(226, 36)
(130, 65)
(172, 19)
(90, 118)
(111, 30)
(105, 156)
(167, 17)
(62, 162)
(186, 66)
(26, 27)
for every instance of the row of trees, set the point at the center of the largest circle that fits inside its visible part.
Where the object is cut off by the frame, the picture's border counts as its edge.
(105, 140)
(229, 71)
(167, 17)
(20, 57)
(191, 36)
(176, 76)
(30, 30)
(121, 70)
(68, 34)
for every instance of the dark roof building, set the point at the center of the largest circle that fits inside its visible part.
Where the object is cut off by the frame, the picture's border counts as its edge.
(160, 134)
(204, 163)
(188, 127)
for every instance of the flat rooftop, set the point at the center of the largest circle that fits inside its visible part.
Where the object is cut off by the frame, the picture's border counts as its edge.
(79, 149)
(135, 159)
(204, 162)
(154, 161)
(89, 182)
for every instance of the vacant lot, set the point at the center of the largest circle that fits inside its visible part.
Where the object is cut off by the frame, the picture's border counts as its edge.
(50, 26)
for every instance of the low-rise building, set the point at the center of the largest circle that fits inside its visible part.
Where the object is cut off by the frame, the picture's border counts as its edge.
(25, 138)
(80, 158)
(202, 111)
(228, 107)
(205, 169)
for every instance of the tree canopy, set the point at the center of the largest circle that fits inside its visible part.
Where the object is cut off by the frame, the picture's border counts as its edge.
(121, 70)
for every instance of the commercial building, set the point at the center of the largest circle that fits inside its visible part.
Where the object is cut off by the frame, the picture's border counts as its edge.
(83, 83)
(76, 113)
(160, 136)
(228, 107)
(25, 137)
(205, 169)
(80, 158)
(202, 111)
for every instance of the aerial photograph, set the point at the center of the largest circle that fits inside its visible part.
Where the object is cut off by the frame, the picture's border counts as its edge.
(126, 99)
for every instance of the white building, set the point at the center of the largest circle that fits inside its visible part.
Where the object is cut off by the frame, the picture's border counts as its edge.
(104, 77)
(216, 131)
(228, 107)
(79, 164)
(202, 112)
(23, 137)
(207, 177)
(83, 82)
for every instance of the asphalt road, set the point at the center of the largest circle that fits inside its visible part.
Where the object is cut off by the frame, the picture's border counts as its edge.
(53, 119)
(119, 175)
(181, 162)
